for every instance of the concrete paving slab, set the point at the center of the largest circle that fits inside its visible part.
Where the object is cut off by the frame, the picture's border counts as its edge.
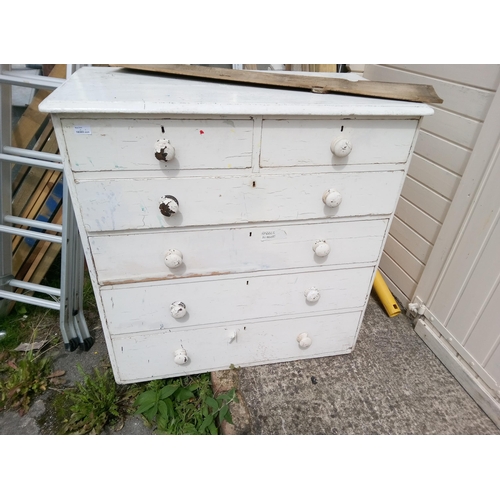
(390, 384)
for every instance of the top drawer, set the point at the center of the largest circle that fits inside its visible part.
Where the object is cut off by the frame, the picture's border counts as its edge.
(129, 144)
(290, 143)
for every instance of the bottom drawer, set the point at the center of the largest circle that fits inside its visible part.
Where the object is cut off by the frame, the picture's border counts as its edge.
(142, 357)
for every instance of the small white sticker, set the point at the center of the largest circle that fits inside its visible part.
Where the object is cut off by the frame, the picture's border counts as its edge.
(82, 130)
(277, 234)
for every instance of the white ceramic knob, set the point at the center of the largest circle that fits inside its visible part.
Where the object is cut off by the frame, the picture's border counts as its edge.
(332, 198)
(341, 147)
(173, 258)
(181, 357)
(321, 248)
(304, 340)
(164, 151)
(178, 309)
(312, 294)
(168, 205)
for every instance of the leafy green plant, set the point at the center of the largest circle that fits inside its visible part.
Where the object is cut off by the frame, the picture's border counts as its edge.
(24, 379)
(184, 406)
(94, 403)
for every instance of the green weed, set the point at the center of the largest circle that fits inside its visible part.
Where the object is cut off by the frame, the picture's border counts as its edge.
(184, 406)
(24, 379)
(95, 402)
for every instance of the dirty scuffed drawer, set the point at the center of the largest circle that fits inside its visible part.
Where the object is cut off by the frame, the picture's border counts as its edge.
(129, 144)
(122, 258)
(124, 204)
(146, 307)
(148, 356)
(308, 142)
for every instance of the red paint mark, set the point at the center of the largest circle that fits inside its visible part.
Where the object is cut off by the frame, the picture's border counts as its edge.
(201, 132)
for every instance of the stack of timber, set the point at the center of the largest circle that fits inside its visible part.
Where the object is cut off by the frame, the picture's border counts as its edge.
(36, 192)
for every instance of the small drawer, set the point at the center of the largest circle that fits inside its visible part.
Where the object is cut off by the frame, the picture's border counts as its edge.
(131, 144)
(127, 204)
(289, 143)
(127, 258)
(140, 357)
(149, 306)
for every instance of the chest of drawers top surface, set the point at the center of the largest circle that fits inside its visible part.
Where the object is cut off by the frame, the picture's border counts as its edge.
(114, 90)
(275, 236)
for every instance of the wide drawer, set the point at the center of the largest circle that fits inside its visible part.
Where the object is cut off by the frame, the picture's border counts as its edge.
(141, 357)
(217, 251)
(146, 307)
(124, 203)
(129, 144)
(308, 142)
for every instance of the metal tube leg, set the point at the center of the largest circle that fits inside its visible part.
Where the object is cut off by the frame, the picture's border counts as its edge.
(78, 260)
(70, 336)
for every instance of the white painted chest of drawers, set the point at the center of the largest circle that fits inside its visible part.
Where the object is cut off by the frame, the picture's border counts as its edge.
(255, 242)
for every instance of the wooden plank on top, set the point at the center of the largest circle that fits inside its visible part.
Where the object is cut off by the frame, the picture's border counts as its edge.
(399, 91)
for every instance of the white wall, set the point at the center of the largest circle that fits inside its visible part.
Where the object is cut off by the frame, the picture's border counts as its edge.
(441, 155)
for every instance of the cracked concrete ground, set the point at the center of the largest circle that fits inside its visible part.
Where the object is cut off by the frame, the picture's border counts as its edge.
(391, 383)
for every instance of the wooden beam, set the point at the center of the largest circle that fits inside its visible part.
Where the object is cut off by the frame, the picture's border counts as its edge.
(399, 91)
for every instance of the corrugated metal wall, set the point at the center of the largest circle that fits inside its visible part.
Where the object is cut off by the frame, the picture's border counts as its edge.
(441, 155)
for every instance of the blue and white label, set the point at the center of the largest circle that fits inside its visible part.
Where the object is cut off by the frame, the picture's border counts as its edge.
(82, 130)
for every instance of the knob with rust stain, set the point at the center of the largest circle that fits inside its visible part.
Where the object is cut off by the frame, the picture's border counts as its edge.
(321, 248)
(169, 205)
(304, 340)
(332, 198)
(178, 309)
(173, 258)
(312, 294)
(181, 357)
(341, 147)
(164, 151)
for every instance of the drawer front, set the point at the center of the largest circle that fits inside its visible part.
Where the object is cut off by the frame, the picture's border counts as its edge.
(123, 204)
(121, 258)
(143, 357)
(129, 144)
(146, 307)
(308, 142)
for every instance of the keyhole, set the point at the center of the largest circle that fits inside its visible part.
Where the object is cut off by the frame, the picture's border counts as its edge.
(162, 129)
(342, 128)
